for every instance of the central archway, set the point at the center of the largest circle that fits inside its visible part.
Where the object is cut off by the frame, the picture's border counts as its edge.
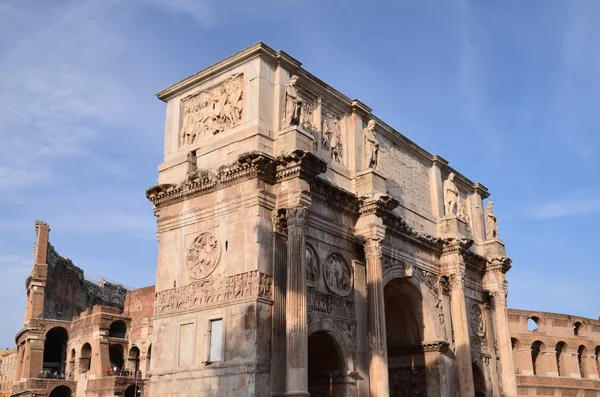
(407, 327)
(326, 366)
(60, 391)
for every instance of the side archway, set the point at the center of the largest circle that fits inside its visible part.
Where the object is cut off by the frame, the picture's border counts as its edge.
(326, 366)
(55, 350)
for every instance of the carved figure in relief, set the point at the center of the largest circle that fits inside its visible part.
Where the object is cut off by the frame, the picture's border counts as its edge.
(370, 146)
(312, 265)
(450, 196)
(463, 213)
(338, 275)
(203, 255)
(491, 222)
(331, 137)
(477, 323)
(293, 103)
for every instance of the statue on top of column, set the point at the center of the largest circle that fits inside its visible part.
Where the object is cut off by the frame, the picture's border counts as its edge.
(491, 222)
(450, 196)
(293, 103)
(370, 146)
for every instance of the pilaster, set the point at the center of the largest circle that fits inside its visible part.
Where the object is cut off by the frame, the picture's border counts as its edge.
(435, 177)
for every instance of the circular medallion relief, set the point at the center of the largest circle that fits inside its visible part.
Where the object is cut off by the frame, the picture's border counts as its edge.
(203, 255)
(477, 323)
(338, 274)
(312, 266)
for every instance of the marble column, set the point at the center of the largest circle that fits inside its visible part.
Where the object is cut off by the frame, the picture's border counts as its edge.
(378, 368)
(296, 308)
(462, 344)
(509, 380)
(278, 361)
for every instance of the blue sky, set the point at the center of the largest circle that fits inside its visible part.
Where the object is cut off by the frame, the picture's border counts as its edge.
(508, 92)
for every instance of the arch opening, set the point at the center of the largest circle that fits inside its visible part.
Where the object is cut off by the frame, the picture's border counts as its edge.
(55, 351)
(479, 381)
(115, 355)
(536, 348)
(533, 324)
(148, 360)
(133, 360)
(598, 359)
(581, 353)
(560, 358)
(577, 328)
(85, 358)
(118, 329)
(132, 391)
(326, 366)
(405, 333)
(60, 391)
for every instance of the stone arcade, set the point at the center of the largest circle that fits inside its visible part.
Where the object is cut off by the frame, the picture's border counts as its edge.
(305, 248)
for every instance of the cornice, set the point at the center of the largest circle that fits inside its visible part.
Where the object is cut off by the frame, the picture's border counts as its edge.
(424, 347)
(498, 264)
(334, 196)
(456, 245)
(253, 51)
(248, 166)
(299, 164)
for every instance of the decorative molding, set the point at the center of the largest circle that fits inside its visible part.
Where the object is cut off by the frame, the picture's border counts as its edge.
(248, 166)
(498, 264)
(423, 347)
(335, 196)
(299, 164)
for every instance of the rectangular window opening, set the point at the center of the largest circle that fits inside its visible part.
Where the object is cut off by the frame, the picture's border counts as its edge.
(216, 340)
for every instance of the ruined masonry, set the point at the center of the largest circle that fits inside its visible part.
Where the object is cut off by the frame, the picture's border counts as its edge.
(305, 248)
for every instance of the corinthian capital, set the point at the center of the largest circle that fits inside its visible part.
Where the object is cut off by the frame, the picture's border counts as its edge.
(296, 216)
(498, 298)
(373, 247)
(457, 280)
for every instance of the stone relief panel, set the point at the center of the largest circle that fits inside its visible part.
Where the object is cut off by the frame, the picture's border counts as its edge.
(476, 320)
(203, 255)
(338, 274)
(330, 304)
(407, 382)
(332, 139)
(408, 177)
(313, 269)
(212, 111)
(206, 292)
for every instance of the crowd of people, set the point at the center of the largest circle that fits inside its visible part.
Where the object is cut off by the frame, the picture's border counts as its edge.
(53, 374)
(116, 371)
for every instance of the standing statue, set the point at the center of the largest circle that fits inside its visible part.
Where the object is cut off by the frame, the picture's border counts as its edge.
(491, 222)
(293, 103)
(370, 146)
(450, 195)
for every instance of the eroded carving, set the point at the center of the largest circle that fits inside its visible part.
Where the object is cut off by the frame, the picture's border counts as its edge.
(330, 304)
(212, 111)
(293, 103)
(450, 196)
(476, 320)
(203, 255)
(312, 265)
(407, 382)
(338, 274)
(205, 292)
(491, 222)
(370, 147)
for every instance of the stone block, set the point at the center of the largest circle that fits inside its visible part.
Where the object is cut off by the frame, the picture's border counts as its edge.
(294, 137)
(453, 227)
(491, 248)
(370, 182)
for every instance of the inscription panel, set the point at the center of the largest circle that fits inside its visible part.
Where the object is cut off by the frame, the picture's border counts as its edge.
(186, 343)
(408, 177)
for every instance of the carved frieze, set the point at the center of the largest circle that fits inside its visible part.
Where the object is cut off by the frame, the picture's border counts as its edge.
(313, 270)
(203, 255)
(338, 274)
(211, 111)
(330, 304)
(206, 292)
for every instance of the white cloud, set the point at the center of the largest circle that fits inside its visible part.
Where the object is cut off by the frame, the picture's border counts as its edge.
(566, 207)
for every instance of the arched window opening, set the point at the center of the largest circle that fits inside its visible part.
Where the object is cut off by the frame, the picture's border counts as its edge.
(148, 361)
(560, 358)
(536, 348)
(479, 381)
(532, 324)
(325, 364)
(55, 351)
(514, 343)
(581, 353)
(118, 329)
(60, 391)
(576, 328)
(115, 355)
(133, 361)
(85, 359)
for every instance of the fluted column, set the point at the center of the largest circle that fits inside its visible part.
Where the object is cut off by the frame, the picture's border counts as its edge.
(278, 361)
(509, 380)
(296, 308)
(378, 368)
(462, 345)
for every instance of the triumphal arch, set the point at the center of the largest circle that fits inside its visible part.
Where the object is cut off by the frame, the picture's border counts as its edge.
(308, 248)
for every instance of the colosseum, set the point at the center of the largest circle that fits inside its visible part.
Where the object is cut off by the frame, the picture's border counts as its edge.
(305, 248)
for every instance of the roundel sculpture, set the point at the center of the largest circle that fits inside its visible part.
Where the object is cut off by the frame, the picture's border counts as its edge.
(203, 255)
(338, 274)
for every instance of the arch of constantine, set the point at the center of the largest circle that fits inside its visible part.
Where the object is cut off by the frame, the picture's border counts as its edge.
(305, 248)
